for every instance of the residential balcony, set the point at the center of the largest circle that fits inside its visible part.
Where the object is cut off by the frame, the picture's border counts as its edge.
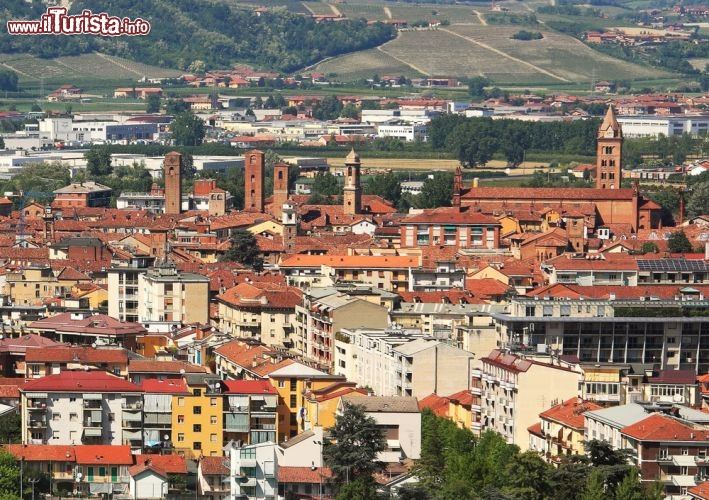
(38, 424)
(93, 404)
(477, 391)
(37, 406)
(132, 424)
(137, 405)
(475, 408)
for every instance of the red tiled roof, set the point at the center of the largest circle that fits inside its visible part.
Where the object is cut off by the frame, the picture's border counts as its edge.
(80, 381)
(262, 296)
(524, 193)
(700, 491)
(43, 452)
(352, 261)
(25, 343)
(570, 412)
(169, 366)
(164, 386)
(609, 261)
(659, 427)
(99, 454)
(213, 466)
(437, 404)
(142, 467)
(96, 324)
(463, 397)
(302, 475)
(10, 387)
(536, 429)
(249, 387)
(450, 215)
(83, 354)
(172, 464)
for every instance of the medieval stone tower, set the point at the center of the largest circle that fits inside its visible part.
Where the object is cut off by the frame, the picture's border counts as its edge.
(253, 181)
(280, 187)
(609, 147)
(173, 183)
(289, 219)
(352, 198)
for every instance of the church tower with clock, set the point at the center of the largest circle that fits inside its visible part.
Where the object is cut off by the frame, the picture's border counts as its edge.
(608, 153)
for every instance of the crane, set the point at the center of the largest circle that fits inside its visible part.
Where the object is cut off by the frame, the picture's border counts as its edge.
(23, 196)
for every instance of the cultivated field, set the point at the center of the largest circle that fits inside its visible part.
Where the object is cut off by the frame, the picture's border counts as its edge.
(466, 50)
(76, 68)
(365, 64)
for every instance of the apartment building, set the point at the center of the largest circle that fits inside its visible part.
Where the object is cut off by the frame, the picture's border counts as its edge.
(170, 298)
(213, 478)
(262, 310)
(253, 471)
(123, 284)
(158, 397)
(197, 418)
(250, 411)
(82, 407)
(514, 391)
(391, 273)
(43, 361)
(401, 363)
(88, 329)
(36, 283)
(462, 228)
(645, 330)
(562, 429)
(323, 314)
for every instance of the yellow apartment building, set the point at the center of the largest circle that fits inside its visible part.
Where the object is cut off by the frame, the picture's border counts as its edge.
(197, 418)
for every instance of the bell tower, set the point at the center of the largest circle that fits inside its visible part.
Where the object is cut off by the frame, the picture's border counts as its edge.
(457, 186)
(280, 187)
(254, 166)
(352, 197)
(173, 183)
(609, 147)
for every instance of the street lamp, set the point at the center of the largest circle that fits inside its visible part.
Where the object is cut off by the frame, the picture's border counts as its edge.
(33, 481)
(319, 443)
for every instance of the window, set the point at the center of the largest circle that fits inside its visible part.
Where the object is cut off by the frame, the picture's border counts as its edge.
(180, 401)
(73, 417)
(213, 419)
(197, 445)
(56, 416)
(663, 454)
(293, 400)
(180, 437)
(281, 384)
(196, 427)
(180, 419)
(197, 392)
(293, 384)
(55, 434)
(213, 402)
(197, 410)
(213, 438)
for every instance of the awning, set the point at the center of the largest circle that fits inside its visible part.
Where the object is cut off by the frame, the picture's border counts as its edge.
(92, 432)
(95, 488)
(92, 397)
(684, 460)
(683, 481)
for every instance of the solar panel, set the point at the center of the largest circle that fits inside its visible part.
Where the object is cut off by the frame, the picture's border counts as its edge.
(672, 265)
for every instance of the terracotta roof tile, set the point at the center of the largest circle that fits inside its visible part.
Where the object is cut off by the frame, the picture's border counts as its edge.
(213, 466)
(172, 464)
(169, 366)
(570, 412)
(83, 354)
(98, 454)
(164, 386)
(352, 261)
(43, 452)
(437, 404)
(80, 381)
(262, 296)
(249, 387)
(659, 427)
(303, 475)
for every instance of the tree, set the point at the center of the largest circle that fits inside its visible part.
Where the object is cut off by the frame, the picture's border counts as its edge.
(698, 201)
(2, 143)
(649, 247)
(359, 489)
(329, 108)
(630, 487)
(476, 86)
(8, 80)
(98, 161)
(325, 184)
(595, 487)
(244, 250)
(355, 440)
(436, 191)
(385, 185)
(175, 107)
(10, 431)
(9, 474)
(430, 468)
(152, 104)
(679, 243)
(187, 130)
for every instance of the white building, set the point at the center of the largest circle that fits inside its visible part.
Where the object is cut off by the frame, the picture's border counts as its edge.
(653, 125)
(82, 407)
(253, 470)
(403, 131)
(399, 418)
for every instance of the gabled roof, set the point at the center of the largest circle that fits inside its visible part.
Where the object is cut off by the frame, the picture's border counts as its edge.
(659, 427)
(302, 475)
(139, 468)
(262, 295)
(451, 216)
(570, 412)
(164, 386)
(42, 452)
(300, 370)
(93, 324)
(76, 354)
(249, 387)
(437, 404)
(213, 466)
(99, 454)
(25, 343)
(80, 382)
(463, 397)
(172, 464)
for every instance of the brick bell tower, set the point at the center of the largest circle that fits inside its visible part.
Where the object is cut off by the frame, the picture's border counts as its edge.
(173, 182)
(609, 147)
(280, 187)
(253, 181)
(352, 197)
